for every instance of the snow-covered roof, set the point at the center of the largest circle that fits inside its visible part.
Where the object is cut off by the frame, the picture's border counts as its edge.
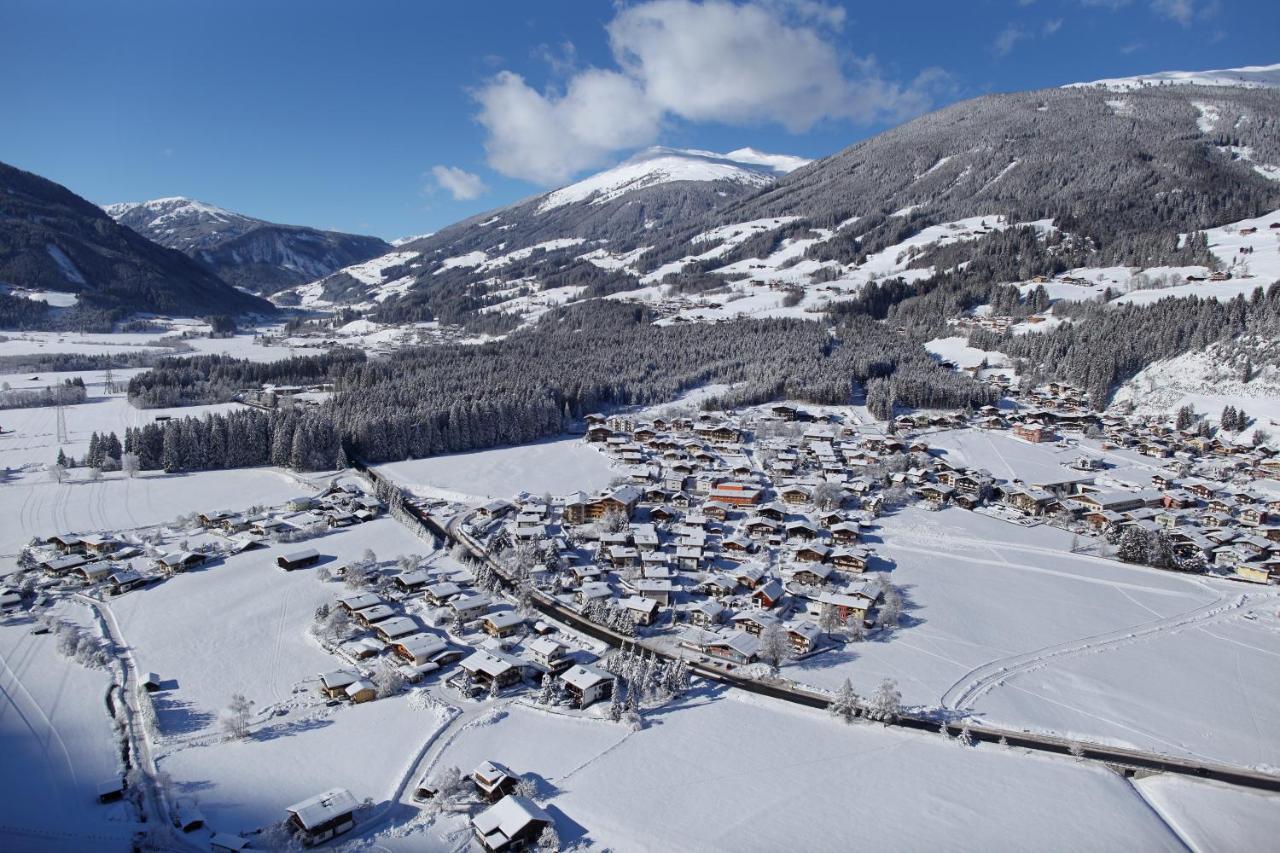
(323, 807)
(506, 819)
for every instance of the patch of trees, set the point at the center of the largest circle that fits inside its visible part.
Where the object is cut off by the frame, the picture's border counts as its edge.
(216, 378)
(71, 391)
(1105, 345)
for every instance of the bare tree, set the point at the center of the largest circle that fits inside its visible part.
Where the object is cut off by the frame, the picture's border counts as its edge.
(236, 721)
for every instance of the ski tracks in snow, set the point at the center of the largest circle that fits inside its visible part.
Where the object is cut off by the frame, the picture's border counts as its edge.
(983, 679)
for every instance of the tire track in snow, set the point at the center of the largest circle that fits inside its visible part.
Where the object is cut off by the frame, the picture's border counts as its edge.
(982, 679)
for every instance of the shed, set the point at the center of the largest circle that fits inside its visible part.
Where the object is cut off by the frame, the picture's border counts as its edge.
(298, 559)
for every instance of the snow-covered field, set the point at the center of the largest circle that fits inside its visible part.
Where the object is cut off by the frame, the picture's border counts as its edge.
(241, 626)
(34, 505)
(997, 612)
(736, 774)
(558, 466)
(1210, 817)
(58, 744)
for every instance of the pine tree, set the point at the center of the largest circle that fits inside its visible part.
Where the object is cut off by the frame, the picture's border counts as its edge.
(845, 704)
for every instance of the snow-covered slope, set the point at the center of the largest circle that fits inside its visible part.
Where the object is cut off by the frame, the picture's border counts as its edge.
(664, 165)
(252, 253)
(1248, 76)
(181, 223)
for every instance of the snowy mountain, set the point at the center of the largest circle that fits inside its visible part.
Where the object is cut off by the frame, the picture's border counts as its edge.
(469, 268)
(55, 240)
(251, 253)
(1248, 77)
(659, 165)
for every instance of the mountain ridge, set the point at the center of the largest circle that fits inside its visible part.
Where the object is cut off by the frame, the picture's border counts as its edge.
(257, 255)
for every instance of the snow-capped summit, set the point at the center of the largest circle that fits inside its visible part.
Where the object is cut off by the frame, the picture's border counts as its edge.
(251, 253)
(186, 223)
(659, 165)
(1247, 77)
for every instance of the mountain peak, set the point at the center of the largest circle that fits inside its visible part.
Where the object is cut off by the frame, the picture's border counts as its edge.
(660, 165)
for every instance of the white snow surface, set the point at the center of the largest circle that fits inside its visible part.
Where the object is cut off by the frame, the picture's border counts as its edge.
(1247, 77)
(558, 466)
(660, 165)
(701, 777)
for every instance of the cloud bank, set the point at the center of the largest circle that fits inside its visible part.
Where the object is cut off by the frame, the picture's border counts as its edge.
(755, 62)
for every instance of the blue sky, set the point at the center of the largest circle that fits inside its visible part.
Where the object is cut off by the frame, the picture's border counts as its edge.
(398, 118)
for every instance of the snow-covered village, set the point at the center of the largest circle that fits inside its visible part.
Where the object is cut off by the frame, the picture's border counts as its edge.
(918, 489)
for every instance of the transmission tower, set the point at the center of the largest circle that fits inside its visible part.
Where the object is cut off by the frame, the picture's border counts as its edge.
(108, 381)
(62, 418)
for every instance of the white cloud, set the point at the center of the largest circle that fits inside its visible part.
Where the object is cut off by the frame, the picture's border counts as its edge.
(459, 183)
(1006, 39)
(1180, 11)
(1052, 25)
(763, 61)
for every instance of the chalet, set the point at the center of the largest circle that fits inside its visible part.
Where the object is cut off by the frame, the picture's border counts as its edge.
(643, 611)
(847, 608)
(62, 565)
(936, 493)
(737, 646)
(503, 623)
(66, 543)
(718, 433)
(689, 557)
(1033, 432)
(1254, 516)
(815, 574)
(850, 559)
(420, 648)
(411, 581)
(658, 589)
(716, 510)
(1027, 500)
(181, 561)
(737, 545)
(298, 559)
(795, 495)
(352, 603)
(441, 592)
(586, 685)
(512, 823)
(99, 546)
(801, 529)
(361, 691)
(224, 842)
(846, 532)
(748, 576)
(489, 667)
(661, 513)
(334, 684)
(468, 607)
(767, 595)
(707, 613)
(813, 553)
(773, 511)
(548, 654)
(593, 590)
(754, 621)
(718, 586)
(395, 628)
(803, 636)
(622, 500)
(124, 580)
(370, 616)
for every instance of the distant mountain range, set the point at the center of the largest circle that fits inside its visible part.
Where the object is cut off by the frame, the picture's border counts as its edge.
(253, 254)
(53, 240)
